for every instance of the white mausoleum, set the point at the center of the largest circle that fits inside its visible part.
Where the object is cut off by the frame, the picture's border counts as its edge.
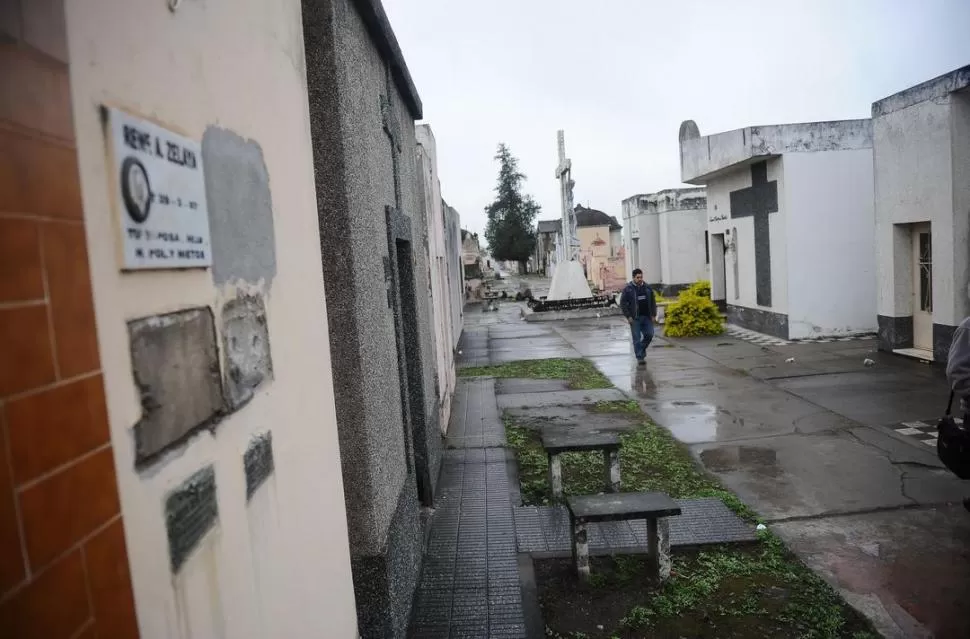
(791, 224)
(666, 237)
(921, 146)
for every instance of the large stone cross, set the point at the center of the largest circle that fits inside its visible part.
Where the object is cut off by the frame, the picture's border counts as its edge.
(757, 201)
(564, 175)
(565, 164)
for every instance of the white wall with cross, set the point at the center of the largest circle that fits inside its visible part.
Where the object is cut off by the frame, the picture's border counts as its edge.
(742, 233)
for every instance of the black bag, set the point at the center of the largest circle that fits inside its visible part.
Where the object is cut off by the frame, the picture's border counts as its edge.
(953, 444)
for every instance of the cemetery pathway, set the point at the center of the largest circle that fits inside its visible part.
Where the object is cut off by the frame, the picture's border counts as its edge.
(815, 442)
(470, 578)
(803, 433)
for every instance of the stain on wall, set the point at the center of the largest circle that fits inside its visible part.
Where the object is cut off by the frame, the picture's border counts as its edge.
(248, 362)
(240, 208)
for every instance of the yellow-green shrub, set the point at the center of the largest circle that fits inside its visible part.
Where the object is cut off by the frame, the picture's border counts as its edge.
(698, 289)
(692, 316)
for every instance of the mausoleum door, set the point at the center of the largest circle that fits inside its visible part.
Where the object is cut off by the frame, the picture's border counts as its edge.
(922, 247)
(718, 268)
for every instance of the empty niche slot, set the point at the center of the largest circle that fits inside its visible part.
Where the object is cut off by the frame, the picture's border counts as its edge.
(258, 462)
(175, 363)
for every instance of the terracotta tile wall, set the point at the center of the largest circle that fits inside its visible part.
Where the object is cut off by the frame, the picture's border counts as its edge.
(63, 563)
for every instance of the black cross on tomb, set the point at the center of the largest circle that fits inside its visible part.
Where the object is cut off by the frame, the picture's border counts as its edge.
(757, 201)
(394, 136)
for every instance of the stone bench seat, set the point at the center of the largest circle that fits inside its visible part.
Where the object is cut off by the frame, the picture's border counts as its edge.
(555, 442)
(655, 508)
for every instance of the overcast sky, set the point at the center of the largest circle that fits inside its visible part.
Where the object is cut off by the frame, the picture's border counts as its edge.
(620, 75)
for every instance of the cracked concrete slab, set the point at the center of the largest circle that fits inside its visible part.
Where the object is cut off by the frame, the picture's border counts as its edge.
(932, 485)
(724, 347)
(878, 398)
(519, 330)
(660, 366)
(596, 342)
(503, 357)
(898, 450)
(520, 344)
(807, 445)
(560, 398)
(806, 475)
(907, 569)
(768, 412)
(516, 386)
(567, 417)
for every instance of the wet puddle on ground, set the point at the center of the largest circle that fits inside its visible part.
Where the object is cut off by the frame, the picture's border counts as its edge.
(752, 459)
(694, 422)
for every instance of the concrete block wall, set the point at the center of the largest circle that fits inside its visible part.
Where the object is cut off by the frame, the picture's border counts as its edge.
(362, 111)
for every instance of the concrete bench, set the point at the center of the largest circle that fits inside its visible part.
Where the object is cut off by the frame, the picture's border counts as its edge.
(557, 442)
(654, 507)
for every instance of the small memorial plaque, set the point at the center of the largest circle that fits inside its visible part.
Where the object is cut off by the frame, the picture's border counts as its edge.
(160, 188)
(190, 511)
(258, 462)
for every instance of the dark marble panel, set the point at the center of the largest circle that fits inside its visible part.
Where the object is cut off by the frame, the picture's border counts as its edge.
(190, 511)
(942, 338)
(895, 332)
(767, 322)
(258, 462)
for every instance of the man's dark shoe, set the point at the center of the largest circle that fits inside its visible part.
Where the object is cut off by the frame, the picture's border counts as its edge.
(641, 362)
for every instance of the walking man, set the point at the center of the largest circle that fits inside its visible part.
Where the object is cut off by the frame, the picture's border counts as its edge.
(640, 309)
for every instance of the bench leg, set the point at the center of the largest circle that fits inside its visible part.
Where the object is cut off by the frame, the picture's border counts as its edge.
(580, 551)
(555, 477)
(611, 458)
(658, 538)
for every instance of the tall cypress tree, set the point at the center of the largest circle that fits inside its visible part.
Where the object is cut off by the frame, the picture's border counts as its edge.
(510, 230)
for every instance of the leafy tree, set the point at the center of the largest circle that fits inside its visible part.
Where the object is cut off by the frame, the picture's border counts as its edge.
(510, 231)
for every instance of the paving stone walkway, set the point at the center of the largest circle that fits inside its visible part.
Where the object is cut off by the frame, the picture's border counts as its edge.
(470, 580)
(475, 421)
(470, 583)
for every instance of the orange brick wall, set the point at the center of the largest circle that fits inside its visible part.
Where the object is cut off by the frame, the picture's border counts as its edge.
(63, 563)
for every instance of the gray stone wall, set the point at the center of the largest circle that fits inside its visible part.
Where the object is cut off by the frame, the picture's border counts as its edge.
(354, 173)
(362, 120)
(455, 280)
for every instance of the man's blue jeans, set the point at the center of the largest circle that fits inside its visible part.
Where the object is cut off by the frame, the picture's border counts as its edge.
(642, 329)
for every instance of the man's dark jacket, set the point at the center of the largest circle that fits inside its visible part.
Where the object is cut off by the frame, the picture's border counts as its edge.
(628, 300)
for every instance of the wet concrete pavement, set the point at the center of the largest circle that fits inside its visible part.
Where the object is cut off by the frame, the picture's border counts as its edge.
(808, 443)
